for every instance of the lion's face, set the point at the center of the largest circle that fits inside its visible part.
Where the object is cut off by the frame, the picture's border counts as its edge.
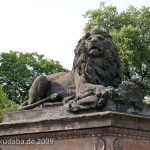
(96, 59)
(95, 44)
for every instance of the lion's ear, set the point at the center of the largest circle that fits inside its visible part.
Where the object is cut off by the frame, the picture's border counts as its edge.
(86, 35)
(107, 36)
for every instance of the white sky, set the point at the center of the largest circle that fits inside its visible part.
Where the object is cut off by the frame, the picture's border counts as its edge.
(49, 27)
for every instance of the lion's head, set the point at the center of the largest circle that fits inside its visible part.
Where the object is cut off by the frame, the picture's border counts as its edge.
(97, 60)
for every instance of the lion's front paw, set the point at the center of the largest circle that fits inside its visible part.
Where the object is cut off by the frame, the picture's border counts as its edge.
(104, 90)
(103, 94)
(99, 90)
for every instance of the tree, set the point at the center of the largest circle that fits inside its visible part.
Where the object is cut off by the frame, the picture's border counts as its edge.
(131, 33)
(147, 101)
(18, 70)
(5, 104)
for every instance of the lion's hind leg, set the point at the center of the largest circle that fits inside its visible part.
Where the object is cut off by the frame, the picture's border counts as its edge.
(38, 90)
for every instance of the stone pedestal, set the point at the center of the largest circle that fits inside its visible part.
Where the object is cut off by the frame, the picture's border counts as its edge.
(56, 129)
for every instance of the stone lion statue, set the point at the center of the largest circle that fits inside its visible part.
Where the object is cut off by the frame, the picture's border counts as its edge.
(93, 83)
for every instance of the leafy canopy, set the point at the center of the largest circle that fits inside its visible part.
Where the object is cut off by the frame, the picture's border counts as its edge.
(18, 70)
(5, 104)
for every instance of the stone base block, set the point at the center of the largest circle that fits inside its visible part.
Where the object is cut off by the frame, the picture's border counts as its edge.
(90, 131)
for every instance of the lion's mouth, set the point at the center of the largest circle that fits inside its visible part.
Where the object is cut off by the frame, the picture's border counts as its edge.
(94, 51)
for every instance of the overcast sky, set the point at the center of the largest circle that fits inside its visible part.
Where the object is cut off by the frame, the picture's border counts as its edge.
(49, 27)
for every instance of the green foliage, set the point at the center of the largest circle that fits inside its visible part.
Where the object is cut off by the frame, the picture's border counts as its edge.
(147, 101)
(18, 70)
(5, 104)
(131, 33)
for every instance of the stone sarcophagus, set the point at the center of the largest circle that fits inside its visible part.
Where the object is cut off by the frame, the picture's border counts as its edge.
(88, 108)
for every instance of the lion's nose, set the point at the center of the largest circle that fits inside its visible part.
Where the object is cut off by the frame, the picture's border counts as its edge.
(93, 41)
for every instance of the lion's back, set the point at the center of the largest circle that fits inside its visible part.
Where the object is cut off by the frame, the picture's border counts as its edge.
(55, 76)
(62, 82)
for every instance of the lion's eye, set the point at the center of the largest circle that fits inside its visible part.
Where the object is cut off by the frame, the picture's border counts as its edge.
(89, 38)
(100, 38)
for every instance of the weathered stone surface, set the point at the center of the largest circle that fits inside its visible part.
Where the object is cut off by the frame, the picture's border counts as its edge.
(92, 143)
(89, 131)
(59, 114)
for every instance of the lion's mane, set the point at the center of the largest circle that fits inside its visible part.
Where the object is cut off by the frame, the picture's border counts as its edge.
(105, 69)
